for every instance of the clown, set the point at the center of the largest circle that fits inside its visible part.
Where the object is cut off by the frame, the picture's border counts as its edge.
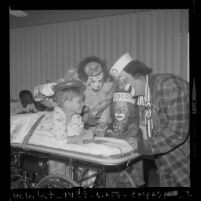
(125, 125)
(124, 114)
(98, 94)
(164, 103)
(93, 72)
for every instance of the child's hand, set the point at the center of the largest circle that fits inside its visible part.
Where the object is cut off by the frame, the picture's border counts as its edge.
(72, 140)
(88, 135)
(75, 140)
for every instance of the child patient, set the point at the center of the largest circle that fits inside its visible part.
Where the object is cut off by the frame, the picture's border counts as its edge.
(65, 122)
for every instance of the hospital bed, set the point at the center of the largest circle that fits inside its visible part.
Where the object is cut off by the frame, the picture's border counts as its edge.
(98, 157)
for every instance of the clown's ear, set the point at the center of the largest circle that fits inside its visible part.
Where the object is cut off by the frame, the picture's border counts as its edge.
(120, 85)
(133, 109)
(128, 88)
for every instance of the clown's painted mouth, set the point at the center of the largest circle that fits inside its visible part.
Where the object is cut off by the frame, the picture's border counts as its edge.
(119, 117)
(96, 90)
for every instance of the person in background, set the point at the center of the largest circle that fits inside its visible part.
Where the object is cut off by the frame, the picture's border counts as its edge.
(165, 99)
(24, 105)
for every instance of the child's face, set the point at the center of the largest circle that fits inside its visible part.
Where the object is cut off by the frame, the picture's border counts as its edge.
(75, 105)
(121, 111)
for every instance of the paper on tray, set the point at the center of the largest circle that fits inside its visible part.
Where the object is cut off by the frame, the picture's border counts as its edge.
(100, 146)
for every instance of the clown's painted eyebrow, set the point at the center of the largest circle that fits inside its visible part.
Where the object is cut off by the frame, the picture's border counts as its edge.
(101, 80)
(95, 79)
(95, 66)
(123, 107)
(92, 80)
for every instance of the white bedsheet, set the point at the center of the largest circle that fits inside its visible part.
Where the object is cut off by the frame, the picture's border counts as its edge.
(101, 146)
(20, 125)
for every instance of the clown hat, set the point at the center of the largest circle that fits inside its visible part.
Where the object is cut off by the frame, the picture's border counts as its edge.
(92, 66)
(123, 96)
(69, 84)
(120, 64)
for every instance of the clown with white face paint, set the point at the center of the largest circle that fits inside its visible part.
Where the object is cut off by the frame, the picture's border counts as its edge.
(93, 72)
(163, 101)
(125, 125)
(122, 110)
(95, 83)
(124, 114)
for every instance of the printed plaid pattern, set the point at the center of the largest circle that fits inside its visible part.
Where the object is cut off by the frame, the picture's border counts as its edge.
(170, 108)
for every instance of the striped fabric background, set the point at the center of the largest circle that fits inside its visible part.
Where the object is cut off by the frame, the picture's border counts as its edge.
(42, 53)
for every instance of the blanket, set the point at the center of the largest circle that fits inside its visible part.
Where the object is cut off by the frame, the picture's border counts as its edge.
(22, 124)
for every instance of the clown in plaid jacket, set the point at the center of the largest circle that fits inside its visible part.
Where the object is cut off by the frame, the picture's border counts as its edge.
(170, 143)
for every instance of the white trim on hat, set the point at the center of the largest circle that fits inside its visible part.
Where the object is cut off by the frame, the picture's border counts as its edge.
(120, 64)
(122, 96)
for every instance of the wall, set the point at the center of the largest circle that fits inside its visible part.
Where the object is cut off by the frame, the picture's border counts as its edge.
(43, 52)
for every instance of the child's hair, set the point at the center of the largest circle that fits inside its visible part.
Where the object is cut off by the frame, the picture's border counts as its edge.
(67, 94)
(25, 93)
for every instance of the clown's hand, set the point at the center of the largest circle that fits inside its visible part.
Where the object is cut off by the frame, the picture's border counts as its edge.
(98, 131)
(109, 133)
(47, 89)
(44, 90)
(97, 110)
(133, 142)
(89, 120)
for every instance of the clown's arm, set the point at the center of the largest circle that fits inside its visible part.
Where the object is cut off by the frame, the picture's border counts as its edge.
(99, 114)
(43, 93)
(175, 131)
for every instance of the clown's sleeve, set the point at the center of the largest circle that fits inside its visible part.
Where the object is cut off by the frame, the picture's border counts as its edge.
(174, 132)
(104, 120)
(43, 93)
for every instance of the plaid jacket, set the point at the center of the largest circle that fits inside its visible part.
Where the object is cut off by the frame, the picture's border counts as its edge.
(170, 134)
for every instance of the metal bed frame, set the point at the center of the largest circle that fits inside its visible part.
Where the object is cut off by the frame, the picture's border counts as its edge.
(77, 166)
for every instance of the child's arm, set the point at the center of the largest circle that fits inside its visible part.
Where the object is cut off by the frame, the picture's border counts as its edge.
(58, 121)
(79, 139)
